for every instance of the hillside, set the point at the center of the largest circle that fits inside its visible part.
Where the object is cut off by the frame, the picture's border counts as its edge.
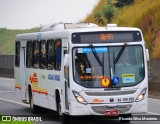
(144, 14)
(7, 39)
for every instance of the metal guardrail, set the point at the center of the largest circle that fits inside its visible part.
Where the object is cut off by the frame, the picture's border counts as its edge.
(7, 66)
(7, 61)
(7, 70)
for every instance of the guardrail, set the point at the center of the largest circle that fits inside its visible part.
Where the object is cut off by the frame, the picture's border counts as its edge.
(7, 66)
(7, 70)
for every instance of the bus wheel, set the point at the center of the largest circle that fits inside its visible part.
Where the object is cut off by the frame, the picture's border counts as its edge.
(63, 117)
(34, 108)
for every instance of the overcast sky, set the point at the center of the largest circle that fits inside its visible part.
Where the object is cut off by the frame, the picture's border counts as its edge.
(22, 14)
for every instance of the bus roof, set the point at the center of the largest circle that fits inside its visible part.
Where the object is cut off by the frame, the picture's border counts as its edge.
(62, 32)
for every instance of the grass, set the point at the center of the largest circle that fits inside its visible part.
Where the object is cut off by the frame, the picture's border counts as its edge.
(7, 39)
(16, 122)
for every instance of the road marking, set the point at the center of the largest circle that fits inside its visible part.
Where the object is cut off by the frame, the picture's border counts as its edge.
(11, 79)
(153, 113)
(6, 84)
(14, 102)
(154, 99)
(7, 91)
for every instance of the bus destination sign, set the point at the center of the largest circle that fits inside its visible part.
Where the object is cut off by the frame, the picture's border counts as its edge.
(106, 37)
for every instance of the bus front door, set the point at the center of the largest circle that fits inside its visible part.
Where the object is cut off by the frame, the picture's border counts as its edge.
(22, 72)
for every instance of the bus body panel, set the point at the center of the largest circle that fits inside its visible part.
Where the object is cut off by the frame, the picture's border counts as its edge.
(20, 73)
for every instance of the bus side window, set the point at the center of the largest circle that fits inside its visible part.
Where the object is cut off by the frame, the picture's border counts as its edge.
(17, 56)
(35, 62)
(50, 54)
(43, 60)
(58, 51)
(29, 54)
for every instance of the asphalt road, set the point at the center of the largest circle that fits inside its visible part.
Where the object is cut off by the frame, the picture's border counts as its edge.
(11, 105)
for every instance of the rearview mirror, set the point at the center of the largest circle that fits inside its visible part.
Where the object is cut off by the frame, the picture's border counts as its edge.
(147, 54)
(66, 60)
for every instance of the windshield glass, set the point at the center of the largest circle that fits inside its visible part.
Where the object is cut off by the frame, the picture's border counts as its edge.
(87, 71)
(127, 71)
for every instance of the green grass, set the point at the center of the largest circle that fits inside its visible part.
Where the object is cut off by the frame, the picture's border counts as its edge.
(7, 39)
(16, 122)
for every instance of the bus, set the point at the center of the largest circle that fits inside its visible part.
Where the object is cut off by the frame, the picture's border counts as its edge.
(83, 69)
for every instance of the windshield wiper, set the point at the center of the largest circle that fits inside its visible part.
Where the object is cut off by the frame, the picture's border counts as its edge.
(96, 55)
(120, 53)
(101, 63)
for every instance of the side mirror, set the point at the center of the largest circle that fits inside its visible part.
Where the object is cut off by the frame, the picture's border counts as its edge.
(66, 60)
(147, 54)
(65, 44)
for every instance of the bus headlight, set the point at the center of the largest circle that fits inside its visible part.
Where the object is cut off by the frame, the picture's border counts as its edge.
(141, 95)
(79, 98)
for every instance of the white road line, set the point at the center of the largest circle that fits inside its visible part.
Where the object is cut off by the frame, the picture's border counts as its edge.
(153, 113)
(6, 84)
(7, 91)
(154, 99)
(2, 78)
(14, 102)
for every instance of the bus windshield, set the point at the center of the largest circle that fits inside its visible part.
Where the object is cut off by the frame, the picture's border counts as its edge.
(127, 71)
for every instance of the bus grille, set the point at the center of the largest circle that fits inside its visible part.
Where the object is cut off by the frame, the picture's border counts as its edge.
(110, 93)
(121, 108)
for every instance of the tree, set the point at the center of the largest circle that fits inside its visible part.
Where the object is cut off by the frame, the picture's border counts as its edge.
(121, 3)
(109, 11)
(99, 18)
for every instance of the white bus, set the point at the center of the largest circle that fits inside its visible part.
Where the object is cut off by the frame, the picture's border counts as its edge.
(83, 69)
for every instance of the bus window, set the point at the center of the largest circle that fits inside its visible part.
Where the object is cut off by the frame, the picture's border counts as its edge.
(35, 61)
(43, 60)
(129, 67)
(17, 57)
(58, 48)
(29, 54)
(50, 54)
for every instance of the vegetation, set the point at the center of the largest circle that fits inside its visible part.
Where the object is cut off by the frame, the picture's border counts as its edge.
(121, 3)
(16, 122)
(97, 12)
(144, 14)
(7, 39)
(108, 12)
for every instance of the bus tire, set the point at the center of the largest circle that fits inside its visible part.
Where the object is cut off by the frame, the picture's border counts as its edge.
(63, 117)
(34, 108)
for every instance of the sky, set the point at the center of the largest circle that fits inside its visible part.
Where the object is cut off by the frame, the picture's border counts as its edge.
(24, 14)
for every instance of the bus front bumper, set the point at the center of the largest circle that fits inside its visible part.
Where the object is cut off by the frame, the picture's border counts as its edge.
(78, 109)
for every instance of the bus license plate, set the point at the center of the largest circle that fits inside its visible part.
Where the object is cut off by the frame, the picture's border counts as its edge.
(111, 112)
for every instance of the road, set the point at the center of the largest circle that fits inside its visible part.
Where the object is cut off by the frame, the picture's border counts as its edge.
(11, 105)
